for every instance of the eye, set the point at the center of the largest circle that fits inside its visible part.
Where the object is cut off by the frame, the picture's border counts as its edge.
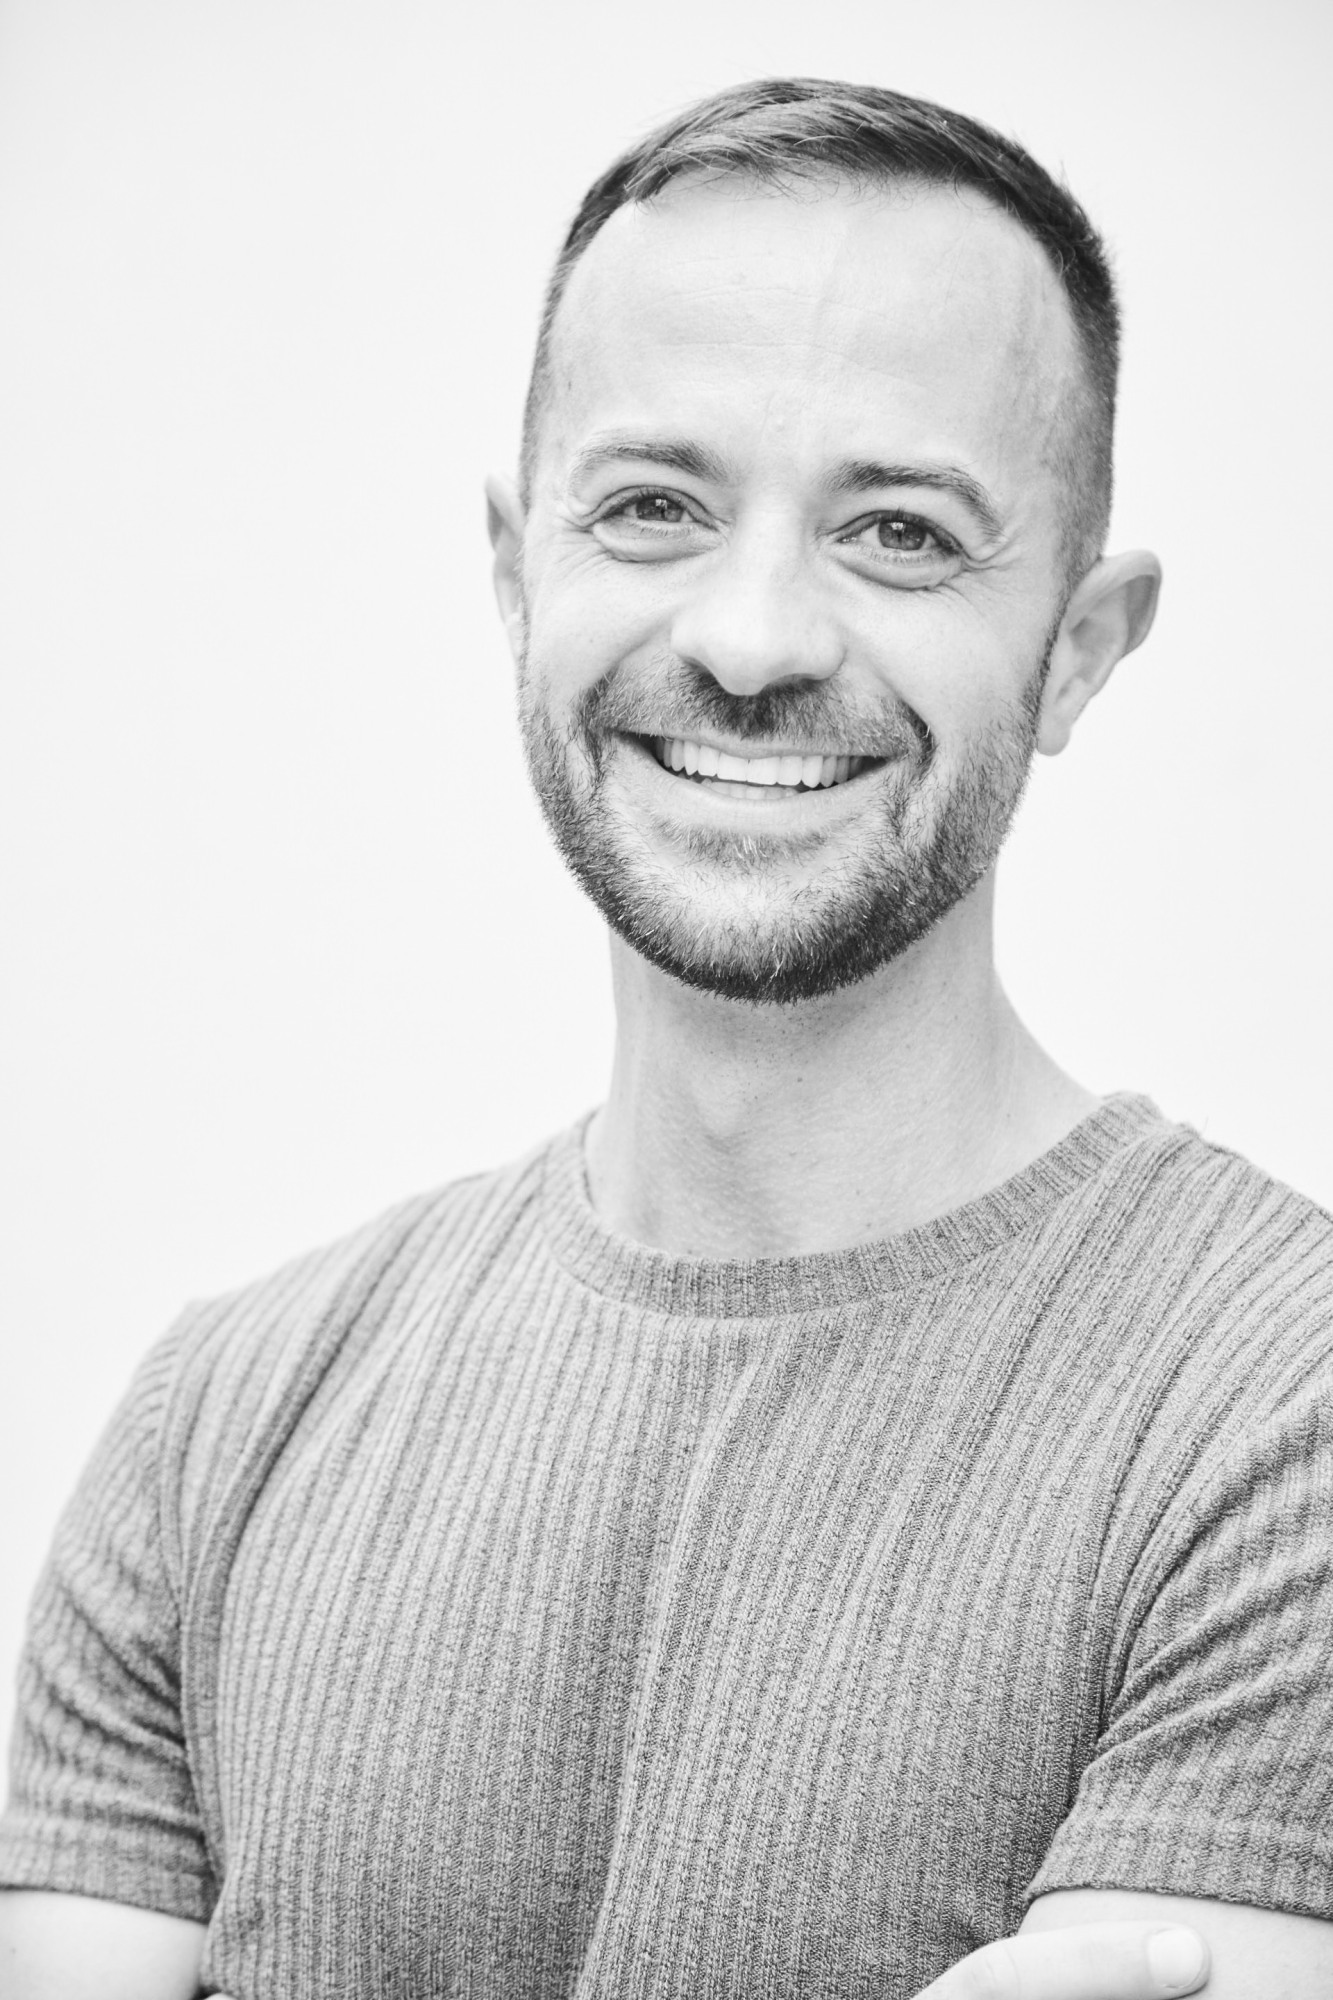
(656, 509)
(902, 534)
(649, 509)
(650, 523)
(898, 540)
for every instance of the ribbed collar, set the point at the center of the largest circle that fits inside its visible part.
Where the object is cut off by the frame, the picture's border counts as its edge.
(765, 1287)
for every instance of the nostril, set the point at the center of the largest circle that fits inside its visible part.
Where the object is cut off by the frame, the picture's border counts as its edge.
(747, 655)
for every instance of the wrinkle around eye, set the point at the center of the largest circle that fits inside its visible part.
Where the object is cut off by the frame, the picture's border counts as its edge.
(920, 569)
(944, 549)
(617, 530)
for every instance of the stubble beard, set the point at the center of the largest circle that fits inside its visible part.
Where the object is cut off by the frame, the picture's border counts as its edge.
(739, 915)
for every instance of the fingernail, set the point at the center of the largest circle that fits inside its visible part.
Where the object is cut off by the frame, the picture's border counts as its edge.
(1177, 1959)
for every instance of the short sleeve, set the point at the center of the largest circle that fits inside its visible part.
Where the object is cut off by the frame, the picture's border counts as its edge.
(1213, 1775)
(101, 1800)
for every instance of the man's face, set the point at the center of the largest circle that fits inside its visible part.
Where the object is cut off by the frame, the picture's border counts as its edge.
(791, 570)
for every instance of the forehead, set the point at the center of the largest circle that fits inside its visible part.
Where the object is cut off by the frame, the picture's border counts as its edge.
(821, 315)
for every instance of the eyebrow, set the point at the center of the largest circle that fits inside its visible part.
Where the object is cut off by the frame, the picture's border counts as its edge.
(866, 475)
(853, 475)
(677, 454)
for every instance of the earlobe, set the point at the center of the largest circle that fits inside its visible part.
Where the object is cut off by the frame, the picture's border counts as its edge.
(1110, 613)
(505, 520)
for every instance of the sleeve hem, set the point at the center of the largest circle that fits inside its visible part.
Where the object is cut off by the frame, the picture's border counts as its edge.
(1221, 1861)
(116, 1871)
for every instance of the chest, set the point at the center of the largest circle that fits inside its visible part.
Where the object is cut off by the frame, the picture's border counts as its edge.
(564, 1677)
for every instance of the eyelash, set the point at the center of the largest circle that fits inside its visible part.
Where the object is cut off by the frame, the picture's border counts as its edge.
(627, 500)
(945, 544)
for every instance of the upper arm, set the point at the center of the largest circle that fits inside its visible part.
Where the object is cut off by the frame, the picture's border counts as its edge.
(102, 1801)
(1255, 1952)
(1212, 1776)
(55, 1947)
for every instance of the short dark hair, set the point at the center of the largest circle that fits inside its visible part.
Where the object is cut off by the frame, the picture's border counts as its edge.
(783, 128)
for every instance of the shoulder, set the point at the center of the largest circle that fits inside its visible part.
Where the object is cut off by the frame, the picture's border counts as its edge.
(237, 1374)
(1202, 1291)
(1210, 1242)
(1173, 1172)
(1186, 1295)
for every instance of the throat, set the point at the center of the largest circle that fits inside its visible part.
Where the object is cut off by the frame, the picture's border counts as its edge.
(735, 1131)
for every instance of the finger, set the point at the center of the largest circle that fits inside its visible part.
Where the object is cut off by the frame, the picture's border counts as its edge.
(1109, 1961)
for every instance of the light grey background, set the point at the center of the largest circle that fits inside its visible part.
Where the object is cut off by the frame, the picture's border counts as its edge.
(284, 940)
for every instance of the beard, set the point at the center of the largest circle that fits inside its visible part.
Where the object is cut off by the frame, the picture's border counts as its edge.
(751, 916)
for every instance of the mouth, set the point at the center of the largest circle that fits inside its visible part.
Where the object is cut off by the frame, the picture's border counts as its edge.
(785, 771)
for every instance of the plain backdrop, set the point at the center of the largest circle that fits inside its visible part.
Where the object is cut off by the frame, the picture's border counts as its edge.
(283, 937)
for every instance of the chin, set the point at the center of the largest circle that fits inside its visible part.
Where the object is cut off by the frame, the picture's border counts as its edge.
(779, 948)
(778, 921)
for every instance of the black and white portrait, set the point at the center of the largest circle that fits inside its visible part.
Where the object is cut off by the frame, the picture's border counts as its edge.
(668, 1302)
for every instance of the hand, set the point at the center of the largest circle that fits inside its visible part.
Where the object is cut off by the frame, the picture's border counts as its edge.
(1081, 1962)
(1111, 1961)
(1115, 1961)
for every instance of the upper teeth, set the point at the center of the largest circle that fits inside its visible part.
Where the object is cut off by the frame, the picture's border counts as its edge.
(702, 760)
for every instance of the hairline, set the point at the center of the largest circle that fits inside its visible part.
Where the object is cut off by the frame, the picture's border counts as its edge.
(1080, 445)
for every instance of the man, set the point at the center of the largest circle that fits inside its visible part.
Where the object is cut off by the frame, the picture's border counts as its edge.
(858, 1505)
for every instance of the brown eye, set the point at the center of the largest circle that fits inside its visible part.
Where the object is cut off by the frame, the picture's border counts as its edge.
(905, 536)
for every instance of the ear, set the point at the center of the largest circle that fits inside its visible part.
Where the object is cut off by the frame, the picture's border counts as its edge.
(1110, 613)
(505, 522)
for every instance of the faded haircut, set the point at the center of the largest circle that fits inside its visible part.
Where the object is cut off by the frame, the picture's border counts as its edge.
(784, 129)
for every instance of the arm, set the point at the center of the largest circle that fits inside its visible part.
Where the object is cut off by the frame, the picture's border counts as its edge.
(55, 1947)
(1097, 1944)
(1150, 1958)
(102, 1847)
(1207, 1800)
(1268, 1953)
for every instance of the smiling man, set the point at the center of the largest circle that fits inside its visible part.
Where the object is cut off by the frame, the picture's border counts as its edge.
(858, 1505)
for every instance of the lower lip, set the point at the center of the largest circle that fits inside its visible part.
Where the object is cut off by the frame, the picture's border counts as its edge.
(718, 798)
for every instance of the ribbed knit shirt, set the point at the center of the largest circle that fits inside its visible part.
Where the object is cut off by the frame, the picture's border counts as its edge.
(489, 1606)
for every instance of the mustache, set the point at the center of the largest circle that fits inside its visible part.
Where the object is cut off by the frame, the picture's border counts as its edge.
(674, 697)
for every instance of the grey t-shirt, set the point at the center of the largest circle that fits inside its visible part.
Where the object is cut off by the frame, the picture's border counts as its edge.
(487, 1606)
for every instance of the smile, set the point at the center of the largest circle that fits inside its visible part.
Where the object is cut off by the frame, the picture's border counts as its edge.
(793, 770)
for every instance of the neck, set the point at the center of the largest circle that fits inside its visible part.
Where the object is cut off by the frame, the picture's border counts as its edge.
(737, 1131)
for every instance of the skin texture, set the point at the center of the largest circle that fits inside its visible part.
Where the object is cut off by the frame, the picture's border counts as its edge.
(785, 337)
(80, 1948)
(1270, 1953)
(828, 903)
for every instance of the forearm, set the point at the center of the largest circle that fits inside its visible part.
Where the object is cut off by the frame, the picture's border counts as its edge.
(1274, 1953)
(56, 1947)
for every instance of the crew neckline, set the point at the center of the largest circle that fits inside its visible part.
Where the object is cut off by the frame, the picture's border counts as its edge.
(768, 1287)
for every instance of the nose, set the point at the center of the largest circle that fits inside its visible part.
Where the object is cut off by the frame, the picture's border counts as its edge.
(755, 615)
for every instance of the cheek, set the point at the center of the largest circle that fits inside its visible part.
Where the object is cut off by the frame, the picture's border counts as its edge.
(585, 617)
(965, 658)
(951, 669)
(566, 651)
